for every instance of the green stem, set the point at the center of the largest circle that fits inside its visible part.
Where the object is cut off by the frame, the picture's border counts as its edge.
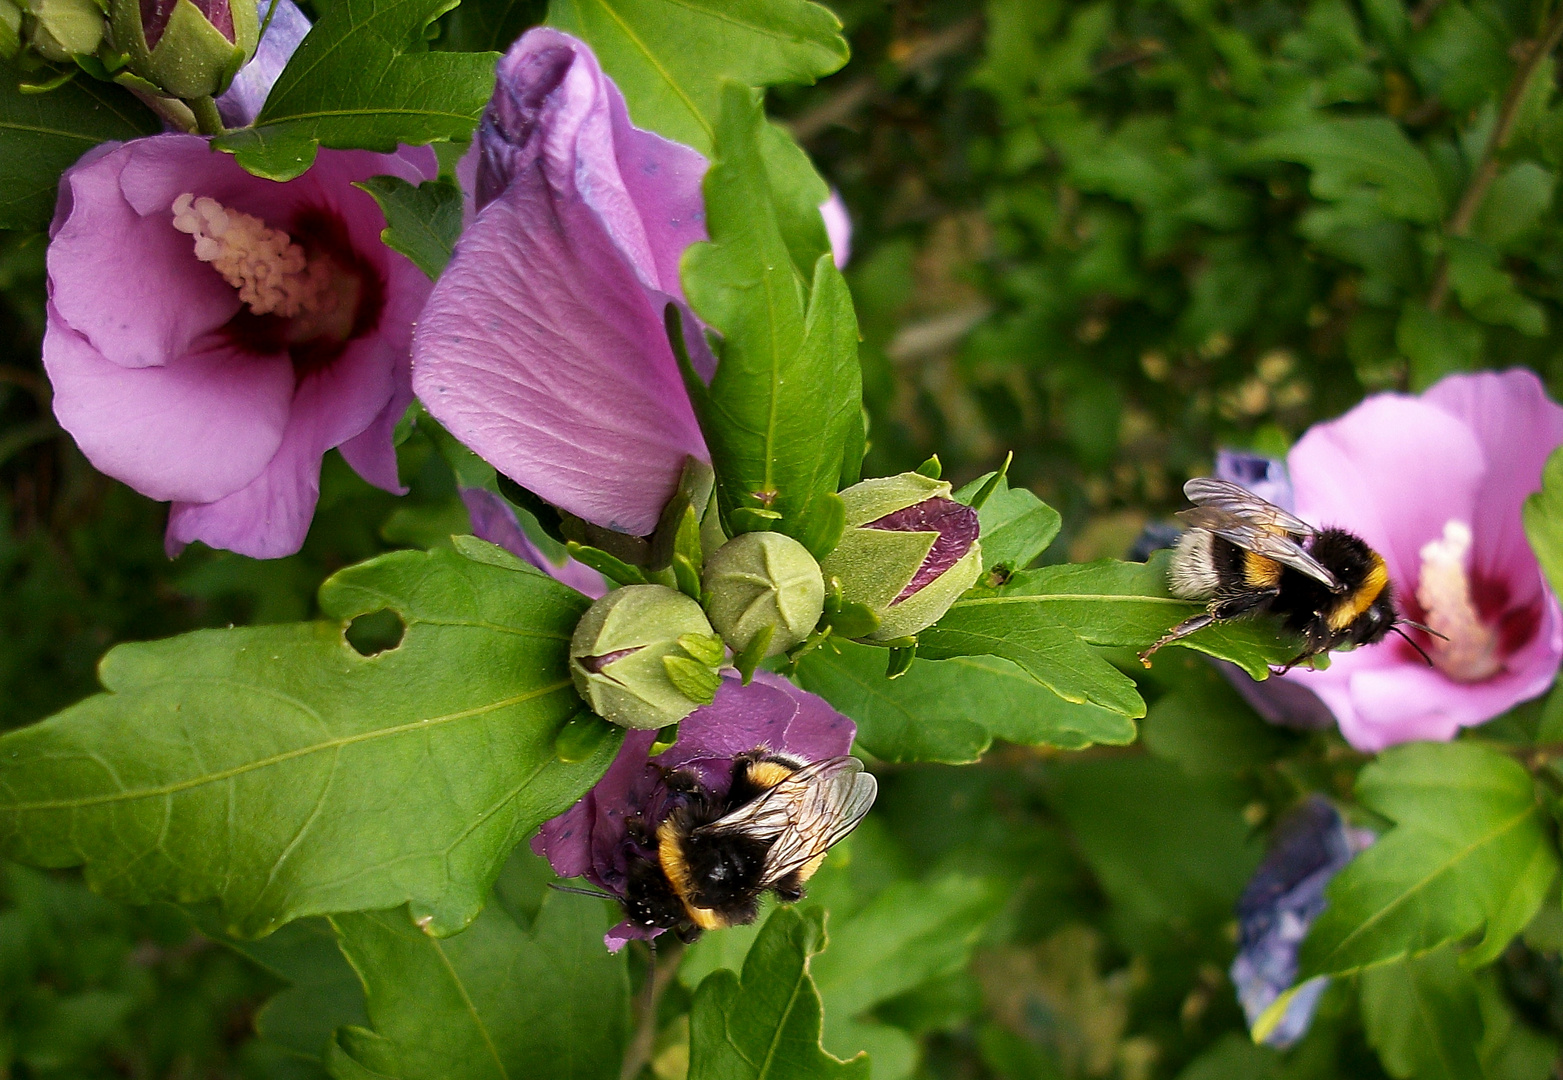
(207, 120)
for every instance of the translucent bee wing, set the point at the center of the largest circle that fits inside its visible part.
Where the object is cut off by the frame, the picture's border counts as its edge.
(804, 815)
(1239, 502)
(1259, 538)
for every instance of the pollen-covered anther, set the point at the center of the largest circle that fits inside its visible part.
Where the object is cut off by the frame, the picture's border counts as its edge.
(271, 272)
(1470, 653)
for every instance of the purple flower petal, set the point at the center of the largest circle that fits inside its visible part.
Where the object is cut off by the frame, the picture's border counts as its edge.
(838, 227)
(494, 521)
(594, 840)
(1395, 470)
(956, 524)
(1280, 903)
(241, 103)
(543, 346)
(170, 384)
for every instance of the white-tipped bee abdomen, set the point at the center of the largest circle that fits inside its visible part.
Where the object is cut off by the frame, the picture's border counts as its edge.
(1193, 575)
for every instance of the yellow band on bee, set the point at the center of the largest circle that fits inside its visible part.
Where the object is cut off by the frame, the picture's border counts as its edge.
(1361, 598)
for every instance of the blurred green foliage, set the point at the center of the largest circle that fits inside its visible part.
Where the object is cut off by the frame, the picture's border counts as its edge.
(1109, 236)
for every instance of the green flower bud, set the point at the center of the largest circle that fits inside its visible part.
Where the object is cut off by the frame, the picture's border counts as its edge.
(644, 656)
(908, 552)
(186, 48)
(62, 29)
(10, 29)
(759, 580)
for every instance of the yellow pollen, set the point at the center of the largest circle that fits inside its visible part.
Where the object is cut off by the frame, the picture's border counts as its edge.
(270, 271)
(1444, 590)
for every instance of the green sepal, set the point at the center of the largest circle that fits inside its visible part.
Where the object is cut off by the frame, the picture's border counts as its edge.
(908, 642)
(901, 657)
(580, 737)
(753, 653)
(688, 554)
(609, 566)
(707, 648)
(665, 740)
(10, 29)
(984, 492)
(693, 679)
(852, 620)
(827, 521)
(933, 469)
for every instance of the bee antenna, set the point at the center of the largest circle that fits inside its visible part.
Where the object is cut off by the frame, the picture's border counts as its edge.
(580, 892)
(1412, 643)
(1419, 626)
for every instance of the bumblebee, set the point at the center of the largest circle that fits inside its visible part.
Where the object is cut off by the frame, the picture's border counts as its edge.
(713, 857)
(1247, 556)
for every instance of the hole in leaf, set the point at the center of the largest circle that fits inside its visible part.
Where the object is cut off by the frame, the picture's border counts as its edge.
(376, 632)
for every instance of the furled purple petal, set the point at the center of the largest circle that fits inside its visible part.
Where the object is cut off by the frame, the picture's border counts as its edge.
(838, 227)
(1280, 903)
(241, 103)
(494, 521)
(543, 347)
(592, 838)
(956, 524)
(1395, 470)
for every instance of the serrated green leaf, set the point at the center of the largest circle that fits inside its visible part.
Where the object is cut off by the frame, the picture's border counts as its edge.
(257, 766)
(364, 79)
(951, 710)
(1049, 651)
(1487, 291)
(322, 994)
(1349, 153)
(497, 1000)
(1469, 849)
(1016, 525)
(421, 222)
(1423, 1018)
(42, 135)
(788, 388)
(1543, 516)
(671, 56)
(1127, 605)
(765, 1023)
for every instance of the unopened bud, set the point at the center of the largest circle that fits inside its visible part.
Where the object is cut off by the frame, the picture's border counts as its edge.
(186, 48)
(61, 29)
(10, 29)
(760, 580)
(644, 656)
(908, 552)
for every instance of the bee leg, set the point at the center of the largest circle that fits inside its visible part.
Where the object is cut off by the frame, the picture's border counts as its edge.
(789, 889)
(688, 933)
(1182, 630)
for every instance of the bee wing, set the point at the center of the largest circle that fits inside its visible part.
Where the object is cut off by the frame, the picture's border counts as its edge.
(1258, 534)
(1237, 501)
(804, 815)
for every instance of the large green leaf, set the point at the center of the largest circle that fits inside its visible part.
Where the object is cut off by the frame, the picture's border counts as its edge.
(364, 79)
(495, 1002)
(42, 135)
(1028, 635)
(788, 391)
(1423, 1018)
(670, 56)
(951, 710)
(1348, 154)
(1544, 521)
(1171, 851)
(1470, 849)
(422, 222)
(1127, 605)
(765, 1024)
(277, 770)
